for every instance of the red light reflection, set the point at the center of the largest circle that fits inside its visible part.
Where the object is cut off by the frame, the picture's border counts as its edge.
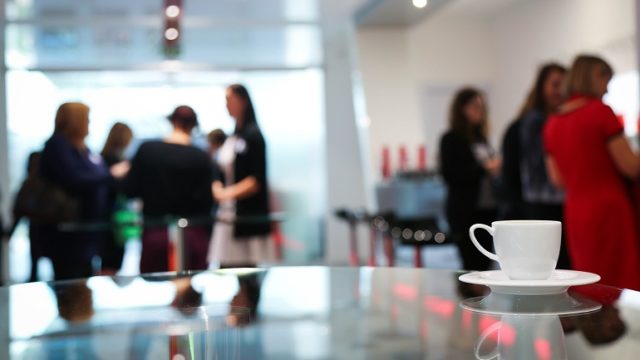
(543, 349)
(442, 307)
(405, 292)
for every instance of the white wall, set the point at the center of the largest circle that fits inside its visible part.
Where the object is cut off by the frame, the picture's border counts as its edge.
(392, 101)
(496, 45)
(447, 51)
(400, 66)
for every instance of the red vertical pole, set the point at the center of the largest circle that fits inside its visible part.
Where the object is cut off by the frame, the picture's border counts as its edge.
(388, 250)
(422, 158)
(404, 159)
(386, 163)
(417, 257)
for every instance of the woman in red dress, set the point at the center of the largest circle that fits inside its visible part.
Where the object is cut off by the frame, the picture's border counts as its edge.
(590, 157)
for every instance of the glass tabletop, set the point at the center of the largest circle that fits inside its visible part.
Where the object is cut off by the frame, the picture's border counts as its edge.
(312, 313)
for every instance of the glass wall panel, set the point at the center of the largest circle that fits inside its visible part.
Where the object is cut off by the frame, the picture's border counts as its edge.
(107, 45)
(80, 46)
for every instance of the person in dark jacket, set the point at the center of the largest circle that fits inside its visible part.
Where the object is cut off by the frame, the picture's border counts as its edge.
(243, 239)
(244, 199)
(527, 192)
(173, 178)
(68, 163)
(469, 166)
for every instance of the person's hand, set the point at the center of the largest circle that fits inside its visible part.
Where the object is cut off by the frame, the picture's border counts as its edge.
(120, 169)
(493, 166)
(221, 194)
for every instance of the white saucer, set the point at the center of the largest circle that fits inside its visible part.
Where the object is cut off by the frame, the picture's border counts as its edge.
(558, 282)
(534, 305)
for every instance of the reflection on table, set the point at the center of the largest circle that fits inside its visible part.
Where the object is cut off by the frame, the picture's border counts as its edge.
(313, 313)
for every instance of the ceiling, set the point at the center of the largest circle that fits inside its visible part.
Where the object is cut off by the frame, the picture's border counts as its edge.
(394, 12)
(402, 13)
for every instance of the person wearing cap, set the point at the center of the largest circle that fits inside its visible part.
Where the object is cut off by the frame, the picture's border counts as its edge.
(173, 179)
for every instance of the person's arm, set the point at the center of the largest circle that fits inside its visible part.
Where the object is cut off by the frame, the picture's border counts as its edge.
(493, 166)
(612, 132)
(240, 190)
(120, 170)
(627, 162)
(554, 173)
(254, 182)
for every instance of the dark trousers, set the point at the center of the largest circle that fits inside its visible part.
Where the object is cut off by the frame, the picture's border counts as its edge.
(71, 252)
(537, 211)
(155, 249)
(112, 252)
(37, 243)
(472, 258)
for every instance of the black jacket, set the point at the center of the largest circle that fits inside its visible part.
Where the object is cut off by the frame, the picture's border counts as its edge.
(462, 173)
(511, 202)
(79, 173)
(251, 160)
(172, 180)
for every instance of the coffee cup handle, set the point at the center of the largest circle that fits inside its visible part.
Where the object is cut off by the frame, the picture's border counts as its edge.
(490, 330)
(472, 235)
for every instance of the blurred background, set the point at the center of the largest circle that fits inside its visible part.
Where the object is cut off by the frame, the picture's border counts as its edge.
(336, 84)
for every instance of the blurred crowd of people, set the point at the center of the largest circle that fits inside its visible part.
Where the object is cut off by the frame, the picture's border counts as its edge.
(173, 179)
(565, 158)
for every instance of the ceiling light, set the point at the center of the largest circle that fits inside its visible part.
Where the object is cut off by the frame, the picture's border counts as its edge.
(419, 3)
(171, 34)
(172, 11)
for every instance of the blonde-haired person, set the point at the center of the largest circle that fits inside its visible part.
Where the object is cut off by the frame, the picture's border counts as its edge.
(589, 156)
(67, 162)
(118, 140)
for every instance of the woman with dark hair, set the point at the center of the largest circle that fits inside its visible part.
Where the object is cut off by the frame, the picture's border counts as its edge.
(589, 157)
(469, 166)
(173, 179)
(244, 200)
(118, 140)
(526, 188)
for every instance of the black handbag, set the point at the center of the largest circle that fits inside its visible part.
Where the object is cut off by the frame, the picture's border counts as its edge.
(45, 203)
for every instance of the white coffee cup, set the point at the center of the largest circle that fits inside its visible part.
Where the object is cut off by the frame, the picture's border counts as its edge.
(525, 249)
